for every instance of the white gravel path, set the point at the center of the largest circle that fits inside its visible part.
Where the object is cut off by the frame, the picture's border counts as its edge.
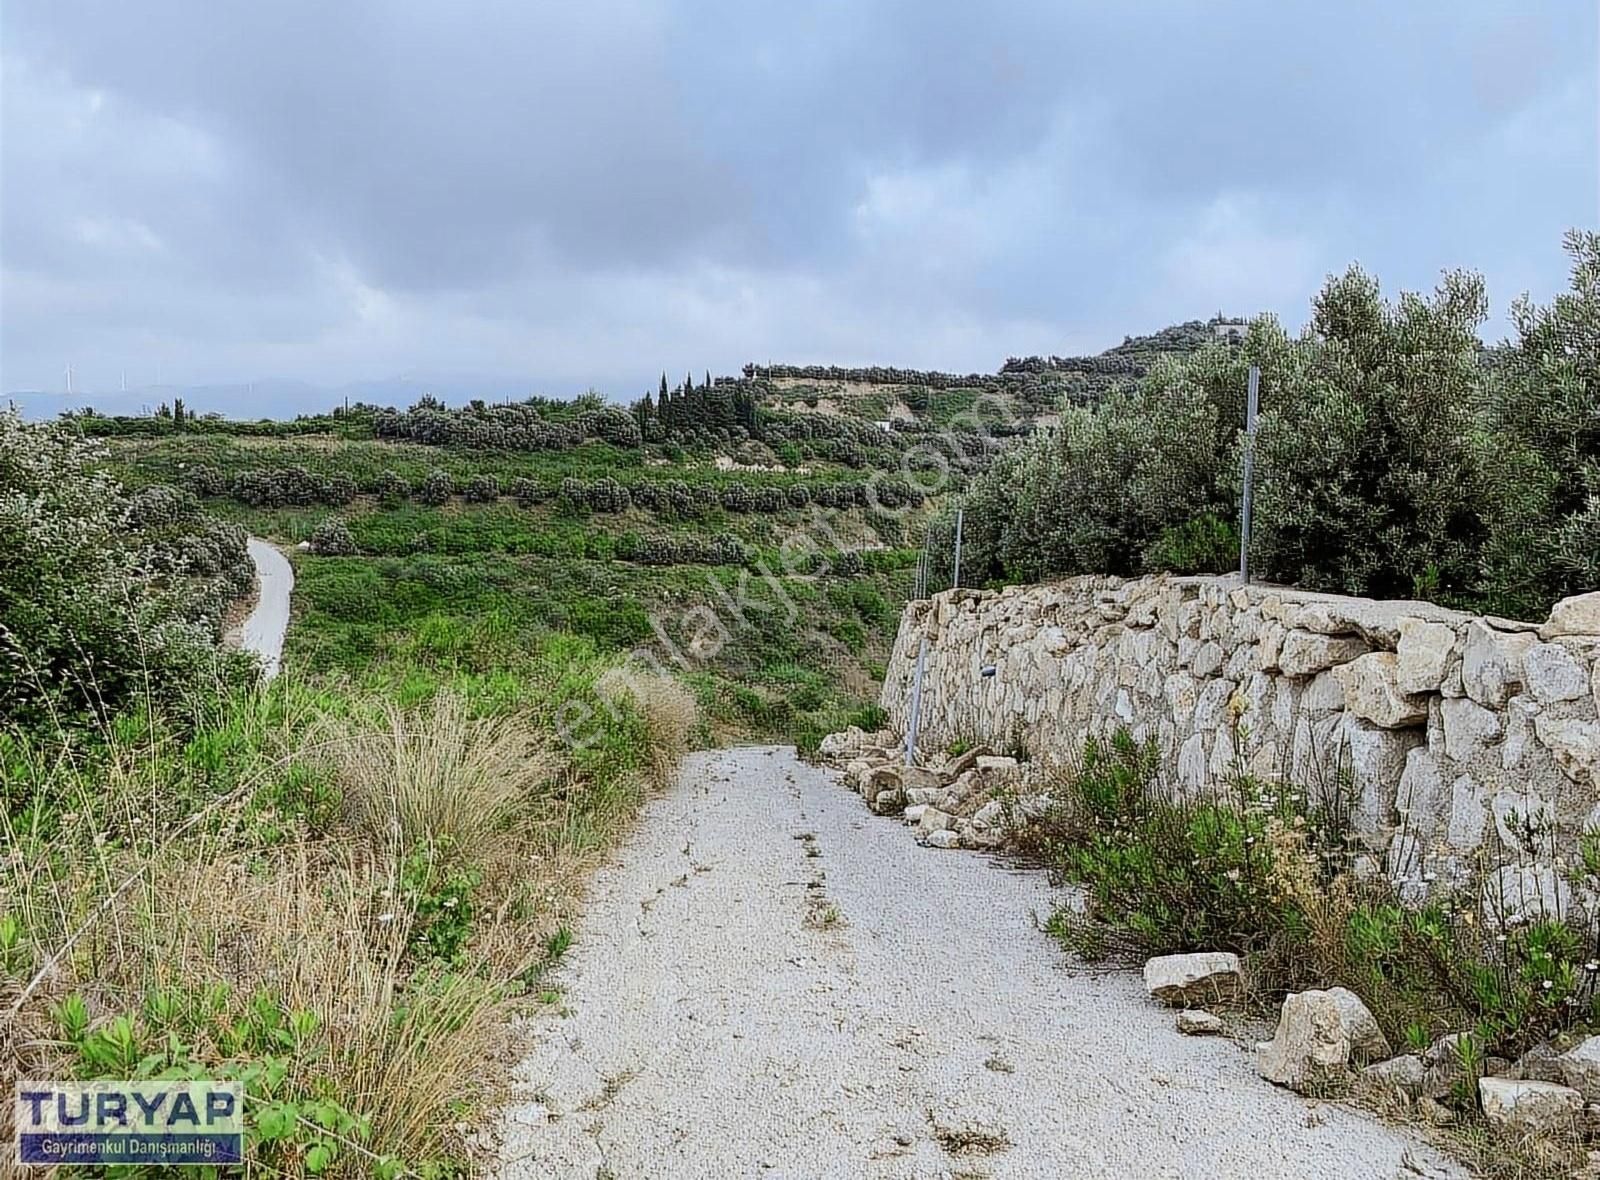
(771, 982)
(262, 632)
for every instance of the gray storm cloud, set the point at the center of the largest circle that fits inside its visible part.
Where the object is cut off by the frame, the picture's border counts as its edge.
(582, 194)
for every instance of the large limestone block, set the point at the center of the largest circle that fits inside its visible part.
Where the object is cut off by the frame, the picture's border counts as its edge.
(1377, 760)
(1423, 655)
(1491, 663)
(1525, 821)
(1469, 814)
(1188, 981)
(1516, 894)
(1468, 728)
(1181, 692)
(1423, 803)
(1319, 1035)
(1269, 646)
(1325, 618)
(1211, 711)
(1580, 1068)
(1371, 693)
(1579, 615)
(1539, 1107)
(1521, 713)
(1323, 696)
(1306, 653)
(1208, 660)
(1192, 762)
(1554, 674)
(1574, 744)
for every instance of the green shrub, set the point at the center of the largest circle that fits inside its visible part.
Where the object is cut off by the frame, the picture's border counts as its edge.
(332, 538)
(104, 597)
(1203, 545)
(1394, 456)
(436, 489)
(481, 489)
(392, 489)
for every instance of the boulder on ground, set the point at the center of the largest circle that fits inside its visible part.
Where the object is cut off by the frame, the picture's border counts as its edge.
(1187, 980)
(931, 819)
(1320, 1033)
(996, 763)
(1528, 1106)
(1405, 1074)
(1197, 1022)
(848, 744)
(944, 838)
(1542, 1063)
(1580, 1068)
(964, 762)
(920, 778)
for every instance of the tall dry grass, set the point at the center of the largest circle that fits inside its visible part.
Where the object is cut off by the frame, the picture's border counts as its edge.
(213, 865)
(436, 776)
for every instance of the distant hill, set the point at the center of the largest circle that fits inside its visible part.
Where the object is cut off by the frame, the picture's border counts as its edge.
(1025, 389)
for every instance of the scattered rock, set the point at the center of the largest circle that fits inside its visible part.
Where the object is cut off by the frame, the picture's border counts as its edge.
(1433, 1111)
(990, 814)
(1580, 1068)
(1528, 1106)
(916, 777)
(1185, 979)
(961, 763)
(944, 838)
(1320, 1033)
(934, 820)
(1542, 1063)
(1405, 1073)
(1196, 1022)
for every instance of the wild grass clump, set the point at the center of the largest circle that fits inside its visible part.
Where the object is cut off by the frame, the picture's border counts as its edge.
(435, 776)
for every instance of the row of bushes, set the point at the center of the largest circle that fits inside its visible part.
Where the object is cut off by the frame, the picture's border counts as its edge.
(524, 426)
(296, 486)
(1395, 456)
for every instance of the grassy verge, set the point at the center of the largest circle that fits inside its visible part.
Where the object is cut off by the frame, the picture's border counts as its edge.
(328, 891)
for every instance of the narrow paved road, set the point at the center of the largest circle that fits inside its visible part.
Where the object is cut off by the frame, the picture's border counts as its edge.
(263, 631)
(771, 982)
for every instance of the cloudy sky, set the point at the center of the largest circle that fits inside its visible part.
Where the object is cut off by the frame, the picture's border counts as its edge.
(218, 191)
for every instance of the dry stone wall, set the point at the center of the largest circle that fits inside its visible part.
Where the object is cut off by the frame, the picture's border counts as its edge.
(1467, 740)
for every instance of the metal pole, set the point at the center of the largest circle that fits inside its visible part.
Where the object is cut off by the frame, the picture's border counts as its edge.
(1251, 401)
(956, 578)
(916, 702)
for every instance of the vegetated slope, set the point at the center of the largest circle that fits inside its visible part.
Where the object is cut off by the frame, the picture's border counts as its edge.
(1024, 391)
(774, 589)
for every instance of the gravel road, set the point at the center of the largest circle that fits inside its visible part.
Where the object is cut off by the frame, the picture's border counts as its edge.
(262, 632)
(771, 982)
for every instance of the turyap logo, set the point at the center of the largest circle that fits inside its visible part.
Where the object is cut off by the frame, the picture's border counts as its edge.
(170, 1122)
